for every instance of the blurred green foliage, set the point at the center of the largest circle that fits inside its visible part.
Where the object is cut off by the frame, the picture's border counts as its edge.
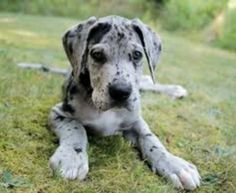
(228, 37)
(190, 14)
(75, 8)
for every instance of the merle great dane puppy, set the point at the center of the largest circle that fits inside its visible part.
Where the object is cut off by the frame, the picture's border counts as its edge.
(101, 95)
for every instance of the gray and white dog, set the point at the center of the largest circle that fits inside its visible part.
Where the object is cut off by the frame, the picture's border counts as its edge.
(101, 96)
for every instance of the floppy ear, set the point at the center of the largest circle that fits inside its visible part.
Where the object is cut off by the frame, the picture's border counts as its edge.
(75, 43)
(151, 43)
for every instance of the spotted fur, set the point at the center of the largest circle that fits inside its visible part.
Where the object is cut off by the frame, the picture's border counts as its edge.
(104, 52)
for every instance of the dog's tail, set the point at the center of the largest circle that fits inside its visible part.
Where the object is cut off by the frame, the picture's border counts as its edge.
(43, 68)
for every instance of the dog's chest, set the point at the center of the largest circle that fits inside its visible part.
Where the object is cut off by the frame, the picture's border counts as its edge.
(107, 123)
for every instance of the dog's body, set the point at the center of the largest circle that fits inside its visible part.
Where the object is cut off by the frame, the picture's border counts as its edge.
(101, 96)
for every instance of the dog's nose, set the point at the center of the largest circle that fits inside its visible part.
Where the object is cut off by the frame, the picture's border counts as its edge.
(120, 91)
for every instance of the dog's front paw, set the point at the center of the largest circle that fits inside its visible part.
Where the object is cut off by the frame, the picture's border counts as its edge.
(182, 174)
(176, 91)
(70, 162)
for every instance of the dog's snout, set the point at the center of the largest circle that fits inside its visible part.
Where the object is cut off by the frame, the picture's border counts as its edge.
(120, 91)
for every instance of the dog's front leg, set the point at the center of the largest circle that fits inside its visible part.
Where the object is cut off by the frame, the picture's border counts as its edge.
(181, 173)
(70, 159)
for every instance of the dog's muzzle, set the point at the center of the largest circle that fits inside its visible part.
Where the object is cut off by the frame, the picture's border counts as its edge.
(120, 92)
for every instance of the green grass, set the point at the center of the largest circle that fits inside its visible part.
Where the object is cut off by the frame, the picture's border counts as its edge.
(200, 128)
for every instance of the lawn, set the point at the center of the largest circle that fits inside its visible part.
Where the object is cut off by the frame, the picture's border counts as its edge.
(200, 128)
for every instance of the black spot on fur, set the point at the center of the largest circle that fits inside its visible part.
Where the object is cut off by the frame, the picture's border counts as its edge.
(68, 108)
(120, 36)
(59, 117)
(97, 33)
(85, 80)
(111, 38)
(73, 90)
(153, 147)
(130, 57)
(79, 28)
(70, 48)
(76, 128)
(160, 48)
(78, 150)
(148, 135)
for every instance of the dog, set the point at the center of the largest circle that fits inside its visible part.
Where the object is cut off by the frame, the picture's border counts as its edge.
(101, 96)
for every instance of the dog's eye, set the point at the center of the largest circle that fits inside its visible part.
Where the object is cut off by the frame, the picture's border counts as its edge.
(98, 56)
(137, 55)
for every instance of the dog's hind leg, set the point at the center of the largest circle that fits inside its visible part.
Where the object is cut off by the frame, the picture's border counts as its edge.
(174, 91)
(70, 159)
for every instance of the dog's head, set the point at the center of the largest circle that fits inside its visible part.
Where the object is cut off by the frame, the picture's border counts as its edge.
(106, 57)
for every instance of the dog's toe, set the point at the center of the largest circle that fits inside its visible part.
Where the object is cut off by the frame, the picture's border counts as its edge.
(182, 174)
(69, 164)
(187, 180)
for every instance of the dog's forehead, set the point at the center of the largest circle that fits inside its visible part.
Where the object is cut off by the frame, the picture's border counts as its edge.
(121, 30)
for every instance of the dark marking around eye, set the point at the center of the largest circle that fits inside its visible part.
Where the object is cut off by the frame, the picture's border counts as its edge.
(98, 56)
(73, 90)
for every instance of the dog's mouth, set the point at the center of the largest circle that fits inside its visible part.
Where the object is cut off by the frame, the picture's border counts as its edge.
(114, 105)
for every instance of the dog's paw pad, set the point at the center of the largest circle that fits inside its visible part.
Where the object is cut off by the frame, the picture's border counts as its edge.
(69, 163)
